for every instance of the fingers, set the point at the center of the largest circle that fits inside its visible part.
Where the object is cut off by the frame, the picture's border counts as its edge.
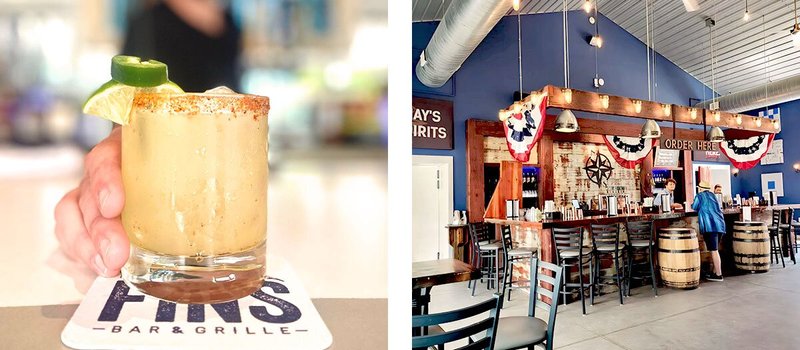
(72, 234)
(104, 177)
(112, 244)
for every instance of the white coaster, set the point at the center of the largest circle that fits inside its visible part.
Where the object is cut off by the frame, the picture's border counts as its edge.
(279, 316)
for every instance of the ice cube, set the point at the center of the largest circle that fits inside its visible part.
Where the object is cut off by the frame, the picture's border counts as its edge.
(220, 90)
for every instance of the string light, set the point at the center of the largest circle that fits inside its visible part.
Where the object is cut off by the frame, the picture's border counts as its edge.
(738, 119)
(637, 106)
(515, 4)
(567, 95)
(746, 12)
(667, 108)
(604, 101)
(692, 113)
(587, 6)
(716, 116)
(758, 121)
(776, 125)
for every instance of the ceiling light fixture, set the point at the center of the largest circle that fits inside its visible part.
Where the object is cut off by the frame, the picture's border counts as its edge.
(651, 130)
(716, 135)
(566, 121)
(596, 41)
(776, 125)
(692, 113)
(587, 6)
(746, 16)
(758, 121)
(604, 101)
(515, 4)
(738, 119)
(637, 106)
(717, 116)
(667, 109)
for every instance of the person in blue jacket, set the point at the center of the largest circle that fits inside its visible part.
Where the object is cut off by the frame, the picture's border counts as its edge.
(712, 225)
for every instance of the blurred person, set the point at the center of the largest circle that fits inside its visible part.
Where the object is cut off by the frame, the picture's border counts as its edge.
(670, 191)
(712, 225)
(197, 39)
(200, 44)
(717, 189)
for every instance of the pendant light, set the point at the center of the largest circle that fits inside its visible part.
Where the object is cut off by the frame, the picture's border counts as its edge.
(746, 16)
(716, 135)
(795, 31)
(566, 121)
(650, 129)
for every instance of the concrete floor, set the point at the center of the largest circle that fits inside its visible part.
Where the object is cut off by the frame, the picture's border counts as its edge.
(757, 311)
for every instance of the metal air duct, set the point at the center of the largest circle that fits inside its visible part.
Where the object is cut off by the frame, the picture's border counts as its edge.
(463, 27)
(753, 98)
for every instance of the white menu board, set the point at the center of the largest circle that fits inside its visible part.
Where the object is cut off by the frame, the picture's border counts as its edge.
(666, 158)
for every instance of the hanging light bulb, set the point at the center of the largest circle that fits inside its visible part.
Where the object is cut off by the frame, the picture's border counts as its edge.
(738, 119)
(566, 122)
(716, 116)
(596, 41)
(746, 16)
(587, 6)
(692, 113)
(776, 125)
(667, 108)
(650, 130)
(567, 95)
(637, 106)
(795, 32)
(515, 4)
(758, 121)
(716, 135)
(604, 101)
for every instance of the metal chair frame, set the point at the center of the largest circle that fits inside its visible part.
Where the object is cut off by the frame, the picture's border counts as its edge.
(571, 239)
(509, 261)
(483, 259)
(608, 235)
(640, 231)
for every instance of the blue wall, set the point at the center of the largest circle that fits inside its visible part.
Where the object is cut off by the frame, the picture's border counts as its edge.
(790, 134)
(487, 79)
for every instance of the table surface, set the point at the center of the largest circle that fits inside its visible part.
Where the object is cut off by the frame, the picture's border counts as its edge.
(354, 324)
(430, 273)
(603, 219)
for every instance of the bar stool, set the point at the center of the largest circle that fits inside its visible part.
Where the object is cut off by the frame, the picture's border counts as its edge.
(796, 229)
(513, 255)
(605, 240)
(775, 246)
(568, 243)
(485, 256)
(640, 242)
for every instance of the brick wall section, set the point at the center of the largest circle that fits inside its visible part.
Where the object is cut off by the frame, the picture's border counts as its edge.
(571, 180)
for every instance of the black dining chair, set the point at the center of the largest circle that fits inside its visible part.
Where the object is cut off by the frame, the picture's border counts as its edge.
(438, 339)
(519, 332)
(776, 232)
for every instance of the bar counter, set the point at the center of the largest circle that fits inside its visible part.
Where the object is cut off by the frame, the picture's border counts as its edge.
(528, 231)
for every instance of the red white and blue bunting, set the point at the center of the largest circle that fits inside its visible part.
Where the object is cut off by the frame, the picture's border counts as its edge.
(746, 153)
(629, 151)
(525, 128)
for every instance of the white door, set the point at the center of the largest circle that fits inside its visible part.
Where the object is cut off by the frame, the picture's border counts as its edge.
(431, 206)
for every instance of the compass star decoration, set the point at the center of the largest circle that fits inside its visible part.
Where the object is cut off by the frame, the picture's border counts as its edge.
(598, 169)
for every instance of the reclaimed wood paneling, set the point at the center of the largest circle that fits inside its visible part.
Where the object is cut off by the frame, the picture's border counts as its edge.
(571, 181)
(495, 150)
(509, 187)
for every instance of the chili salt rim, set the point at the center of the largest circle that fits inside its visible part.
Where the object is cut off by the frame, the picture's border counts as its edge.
(197, 103)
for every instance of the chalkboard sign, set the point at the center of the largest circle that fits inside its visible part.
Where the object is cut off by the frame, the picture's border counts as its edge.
(667, 158)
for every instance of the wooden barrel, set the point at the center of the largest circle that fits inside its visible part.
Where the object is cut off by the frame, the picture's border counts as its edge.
(679, 257)
(751, 245)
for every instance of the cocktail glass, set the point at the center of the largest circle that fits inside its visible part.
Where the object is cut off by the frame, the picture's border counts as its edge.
(194, 168)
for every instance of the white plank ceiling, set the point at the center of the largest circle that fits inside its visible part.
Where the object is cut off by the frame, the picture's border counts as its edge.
(683, 38)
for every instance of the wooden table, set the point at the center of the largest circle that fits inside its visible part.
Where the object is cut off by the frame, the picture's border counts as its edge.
(458, 238)
(426, 274)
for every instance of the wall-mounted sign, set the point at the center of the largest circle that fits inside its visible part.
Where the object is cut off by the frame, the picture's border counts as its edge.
(688, 145)
(775, 154)
(709, 156)
(432, 123)
(667, 158)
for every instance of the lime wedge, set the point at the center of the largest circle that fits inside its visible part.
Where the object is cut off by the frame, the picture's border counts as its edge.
(112, 101)
(131, 70)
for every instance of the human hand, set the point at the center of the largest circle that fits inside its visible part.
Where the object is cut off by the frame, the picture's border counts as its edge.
(87, 218)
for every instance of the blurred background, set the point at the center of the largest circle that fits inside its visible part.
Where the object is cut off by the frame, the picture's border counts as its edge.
(321, 62)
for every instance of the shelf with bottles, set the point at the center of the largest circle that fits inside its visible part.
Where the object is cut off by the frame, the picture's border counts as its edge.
(530, 186)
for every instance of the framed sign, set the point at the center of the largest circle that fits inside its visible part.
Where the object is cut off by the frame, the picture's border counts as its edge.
(772, 182)
(432, 123)
(709, 156)
(688, 145)
(775, 154)
(666, 158)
